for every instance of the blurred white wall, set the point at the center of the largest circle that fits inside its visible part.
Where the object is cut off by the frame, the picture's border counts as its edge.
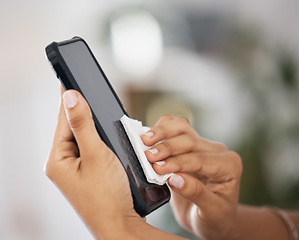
(30, 206)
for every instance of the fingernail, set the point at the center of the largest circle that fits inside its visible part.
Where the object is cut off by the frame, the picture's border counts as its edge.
(160, 163)
(176, 181)
(149, 134)
(70, 99)
(154, 151)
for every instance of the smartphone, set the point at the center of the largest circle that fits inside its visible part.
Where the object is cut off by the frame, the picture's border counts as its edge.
(77, 68)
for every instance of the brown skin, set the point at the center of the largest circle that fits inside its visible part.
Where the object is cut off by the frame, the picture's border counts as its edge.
(205, 186)
(205, 201)
(208, 195)
(92, 178)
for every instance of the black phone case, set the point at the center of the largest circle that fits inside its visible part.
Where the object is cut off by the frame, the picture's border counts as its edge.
(143, 192)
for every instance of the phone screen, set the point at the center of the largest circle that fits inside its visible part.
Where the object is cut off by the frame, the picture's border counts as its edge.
(107, 111)
(93, 85)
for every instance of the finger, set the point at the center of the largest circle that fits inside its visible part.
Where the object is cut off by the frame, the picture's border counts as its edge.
(190, 188)
(167, 127)
(81, 122)
(174, 146)
(181, 144)
(167, 118)
(204, 207)
(217, 166)
(181, 205)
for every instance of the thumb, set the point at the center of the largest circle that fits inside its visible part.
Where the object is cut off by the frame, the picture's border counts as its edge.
(80, 120)
(192, 189)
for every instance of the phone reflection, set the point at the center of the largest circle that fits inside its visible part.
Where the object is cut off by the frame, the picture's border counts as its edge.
(152, 194)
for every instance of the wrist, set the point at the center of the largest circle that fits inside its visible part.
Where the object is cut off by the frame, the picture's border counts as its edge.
(258, 223)
(113, 226)
(133, 228)
(222, 227)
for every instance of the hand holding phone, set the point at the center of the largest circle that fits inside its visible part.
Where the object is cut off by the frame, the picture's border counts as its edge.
(88, 174)
(77, 68)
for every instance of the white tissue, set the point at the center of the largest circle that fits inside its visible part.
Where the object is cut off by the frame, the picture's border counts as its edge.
(134, 130)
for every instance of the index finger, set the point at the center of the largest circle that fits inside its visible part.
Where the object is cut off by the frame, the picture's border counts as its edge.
(221, 167)
(167, 127)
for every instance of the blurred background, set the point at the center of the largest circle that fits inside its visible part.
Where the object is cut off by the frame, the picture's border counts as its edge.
(230, 67)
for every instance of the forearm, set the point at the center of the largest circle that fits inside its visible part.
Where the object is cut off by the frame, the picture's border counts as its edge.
(259, 224)
(134, 229)
(145, 231)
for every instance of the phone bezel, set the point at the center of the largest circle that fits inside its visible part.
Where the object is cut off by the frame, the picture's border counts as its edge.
(69, 82)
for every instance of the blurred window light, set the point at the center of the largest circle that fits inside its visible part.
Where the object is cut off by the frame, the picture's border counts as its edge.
(136, 41)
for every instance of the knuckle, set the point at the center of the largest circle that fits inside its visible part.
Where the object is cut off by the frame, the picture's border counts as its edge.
(221, 147)
(52, 167)
(192, 142)
(183, 120)
(49, 169)
(79, 116)
(166, 117)
(79, 122)
(234, 156)
(174, 163)
(76, 122)
(167, 148)
(177, 160)
(237, 162)
(179, 120)
(182, 123)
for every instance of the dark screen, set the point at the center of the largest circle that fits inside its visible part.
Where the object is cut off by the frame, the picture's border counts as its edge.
(103, 103)
(108, 111)
(91, 81)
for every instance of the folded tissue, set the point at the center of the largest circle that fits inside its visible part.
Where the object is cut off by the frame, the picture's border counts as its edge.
(134, 130)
